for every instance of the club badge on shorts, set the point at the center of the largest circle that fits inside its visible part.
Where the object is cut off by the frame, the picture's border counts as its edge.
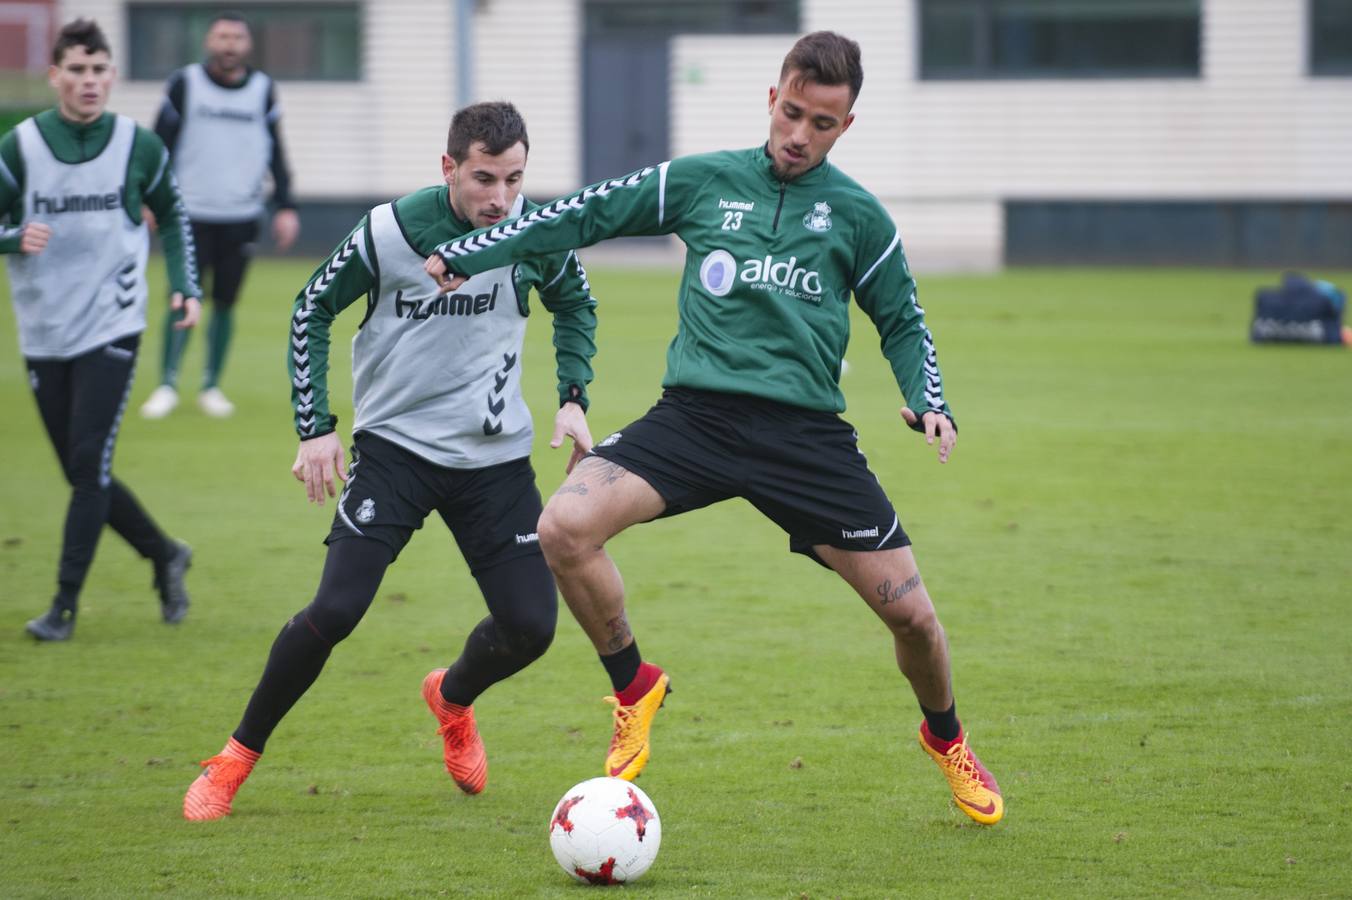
(367, 511)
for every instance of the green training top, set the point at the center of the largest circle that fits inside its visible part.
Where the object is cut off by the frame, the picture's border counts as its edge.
(419, 356)
(149, 181)
(769, 269)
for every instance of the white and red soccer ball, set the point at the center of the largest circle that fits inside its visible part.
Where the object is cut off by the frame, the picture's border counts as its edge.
(605, 831)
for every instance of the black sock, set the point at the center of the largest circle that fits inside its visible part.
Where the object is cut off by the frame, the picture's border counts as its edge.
(523, 609)
(298, 656)
(943, 725)
(352, 572)
(67, 598)
(623, 666)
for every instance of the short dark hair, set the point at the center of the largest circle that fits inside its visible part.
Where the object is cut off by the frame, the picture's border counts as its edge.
(824, 57)
(80, 33)
(228, 16)
(495, 124)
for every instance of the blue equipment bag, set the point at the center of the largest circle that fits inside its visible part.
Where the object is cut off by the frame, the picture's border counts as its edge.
(1301, 311)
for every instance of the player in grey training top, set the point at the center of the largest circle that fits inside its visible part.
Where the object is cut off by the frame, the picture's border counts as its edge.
(440, 425)
(220, 121)
(72, 183)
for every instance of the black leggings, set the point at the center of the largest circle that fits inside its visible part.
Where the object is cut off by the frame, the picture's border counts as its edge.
(522, 606)
(81, 402)
(224, 247)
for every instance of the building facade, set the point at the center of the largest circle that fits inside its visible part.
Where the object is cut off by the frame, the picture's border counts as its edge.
(1118, 131)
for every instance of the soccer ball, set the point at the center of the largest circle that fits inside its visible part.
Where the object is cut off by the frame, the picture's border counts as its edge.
(605, 831)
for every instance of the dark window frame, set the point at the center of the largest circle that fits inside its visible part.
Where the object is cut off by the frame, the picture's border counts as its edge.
(984, 41)
(139, 72)
(664, 17)
(1315, 67)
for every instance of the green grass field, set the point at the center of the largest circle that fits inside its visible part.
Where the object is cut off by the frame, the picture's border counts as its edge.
(1140, 552)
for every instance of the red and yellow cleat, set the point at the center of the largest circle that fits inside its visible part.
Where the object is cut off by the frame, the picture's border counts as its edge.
(464, 753)
(629, 748)
(209, 797)
(974, 789)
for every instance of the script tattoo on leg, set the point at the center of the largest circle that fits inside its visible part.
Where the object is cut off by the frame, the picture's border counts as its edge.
(611, 473)
(888, 593)
(572, 487)
(619, 633)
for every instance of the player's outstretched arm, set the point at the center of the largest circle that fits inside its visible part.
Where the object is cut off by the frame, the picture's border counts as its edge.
(571, 421)
(317, 460)
(935, 425)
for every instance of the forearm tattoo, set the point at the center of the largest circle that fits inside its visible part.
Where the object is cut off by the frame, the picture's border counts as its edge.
(619, 633)
(888, 593)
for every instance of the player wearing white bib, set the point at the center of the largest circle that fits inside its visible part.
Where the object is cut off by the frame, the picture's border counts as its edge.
(221, 121)
(72, 183)
(440, 425)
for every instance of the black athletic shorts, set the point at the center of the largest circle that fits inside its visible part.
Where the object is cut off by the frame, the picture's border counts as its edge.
(492, 512)
(800, 467)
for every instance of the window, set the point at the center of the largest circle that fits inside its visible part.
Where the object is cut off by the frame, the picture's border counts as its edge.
(301, 41)
(692, 16)
(1060, 39)
(1330, 37)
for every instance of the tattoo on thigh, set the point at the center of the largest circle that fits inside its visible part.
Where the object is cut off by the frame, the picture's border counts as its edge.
(619, 633)
(888, 593)
(611, 473)
(579, 487)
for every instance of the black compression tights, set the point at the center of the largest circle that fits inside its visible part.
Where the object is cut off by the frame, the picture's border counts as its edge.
(522, 605)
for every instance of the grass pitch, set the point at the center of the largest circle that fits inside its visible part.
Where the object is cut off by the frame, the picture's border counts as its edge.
(1140, 551)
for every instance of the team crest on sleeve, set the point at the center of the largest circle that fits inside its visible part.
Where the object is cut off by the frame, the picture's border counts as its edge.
(819, 218)
(367, 511)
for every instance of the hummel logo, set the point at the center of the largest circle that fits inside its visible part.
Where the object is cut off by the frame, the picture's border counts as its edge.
(860, 533)
(532, 538)
(742, 205)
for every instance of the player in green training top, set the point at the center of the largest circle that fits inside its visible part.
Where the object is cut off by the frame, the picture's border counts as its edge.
(440, 425)
(72, 183)
(777, 241)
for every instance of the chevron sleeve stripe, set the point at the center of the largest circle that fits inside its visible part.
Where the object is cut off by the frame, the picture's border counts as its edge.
(569, 299)
(887, 293)
(161, 193)
(613, 208)
(336, 284)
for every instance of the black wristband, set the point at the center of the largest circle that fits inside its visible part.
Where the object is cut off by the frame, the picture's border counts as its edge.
(574, 395)
(333, 426)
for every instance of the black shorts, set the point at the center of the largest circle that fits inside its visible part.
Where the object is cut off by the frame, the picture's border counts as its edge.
(801, 468)
(492, 512)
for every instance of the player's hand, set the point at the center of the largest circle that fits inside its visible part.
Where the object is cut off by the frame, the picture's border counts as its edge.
(316, 461)
(571, 422)
(936, 425)
(148, 216)
(35, 236)
(285, 228)
(446, 281)
(192, 310)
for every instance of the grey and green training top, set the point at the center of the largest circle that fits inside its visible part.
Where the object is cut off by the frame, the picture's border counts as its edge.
(439, 375)
(769, 270)
(87, 182)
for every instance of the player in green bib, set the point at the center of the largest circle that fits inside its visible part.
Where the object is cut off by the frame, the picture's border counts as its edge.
(778, 240)
(72, 183)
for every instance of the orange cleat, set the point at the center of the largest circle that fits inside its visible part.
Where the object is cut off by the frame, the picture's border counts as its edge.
(464, 753)
(974, 789)
(211, 794)
(629, 747)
